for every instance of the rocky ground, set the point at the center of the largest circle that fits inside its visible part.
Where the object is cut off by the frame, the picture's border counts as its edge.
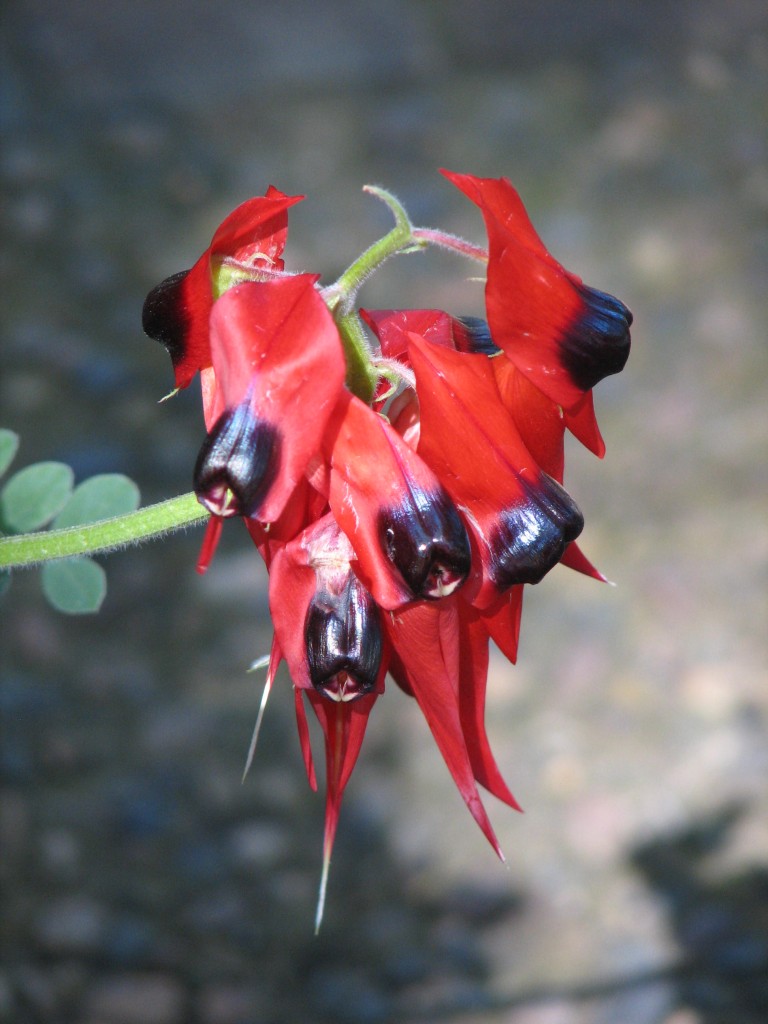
(142, 883)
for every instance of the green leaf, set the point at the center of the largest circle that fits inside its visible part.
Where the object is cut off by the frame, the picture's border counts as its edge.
(100, 497)
(76, 586)
(34, 495)
(9, 445)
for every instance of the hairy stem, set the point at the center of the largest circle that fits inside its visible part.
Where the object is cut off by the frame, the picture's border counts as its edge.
(28, 549)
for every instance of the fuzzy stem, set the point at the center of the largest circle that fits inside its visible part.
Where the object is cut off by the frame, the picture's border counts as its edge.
(341, 296)
(28, 549)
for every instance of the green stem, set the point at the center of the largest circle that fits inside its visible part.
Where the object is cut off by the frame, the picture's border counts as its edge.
(341, 297)
(27, 549)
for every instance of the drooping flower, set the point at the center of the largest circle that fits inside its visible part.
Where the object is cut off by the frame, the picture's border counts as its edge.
(409, 540)
(562, 334)
(400, 517)
(176, 311)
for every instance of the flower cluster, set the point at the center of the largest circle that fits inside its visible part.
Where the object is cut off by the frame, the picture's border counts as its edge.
(403, 480)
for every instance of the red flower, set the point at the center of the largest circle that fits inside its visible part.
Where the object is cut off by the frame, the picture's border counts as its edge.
(409, 540)
(563, 335)
(176, 312)
(398, 534)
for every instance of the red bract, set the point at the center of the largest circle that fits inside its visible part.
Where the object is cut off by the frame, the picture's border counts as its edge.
(401, 495)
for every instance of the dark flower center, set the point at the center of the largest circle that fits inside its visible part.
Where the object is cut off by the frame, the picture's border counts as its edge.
(530, 538)
(165, 316)
(425, 540)
(343, 638)
(597, 343)
(237, 463)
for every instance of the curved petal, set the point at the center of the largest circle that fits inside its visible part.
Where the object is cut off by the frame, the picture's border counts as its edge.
(256, 231)
(473, 679)
(502, 621)
(425, 640)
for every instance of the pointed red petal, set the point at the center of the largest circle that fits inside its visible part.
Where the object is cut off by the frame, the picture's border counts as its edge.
(575, 559)
(343, 726)
(425, 639)
(502, 621)
(582, 424)
(473, 650)
(304, 739)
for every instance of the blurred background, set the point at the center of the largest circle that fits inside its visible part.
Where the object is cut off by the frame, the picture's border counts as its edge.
(143, 884)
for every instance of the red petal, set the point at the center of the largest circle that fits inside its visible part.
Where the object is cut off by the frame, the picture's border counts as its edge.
(473, 649)
(425, 638)
(306, 506)
(502, 621)
(538, 419)
(575, 559)
(582, 424)
(292, 586)
(177, 311)
(304, 738)
(210, 543)
(256, 231)
(275, 344)
(343, 727)
(391, 327)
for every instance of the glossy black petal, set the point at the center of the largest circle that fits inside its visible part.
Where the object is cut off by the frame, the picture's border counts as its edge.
(597, 343)
(530, 538)
(237, 463)
(475, 336)
(343, 638)
(427, 543)
(165, 316)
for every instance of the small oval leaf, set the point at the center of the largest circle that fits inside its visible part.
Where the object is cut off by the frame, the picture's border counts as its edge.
(75, 586)
(99, 497)
(34, 495)
(9, 445)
